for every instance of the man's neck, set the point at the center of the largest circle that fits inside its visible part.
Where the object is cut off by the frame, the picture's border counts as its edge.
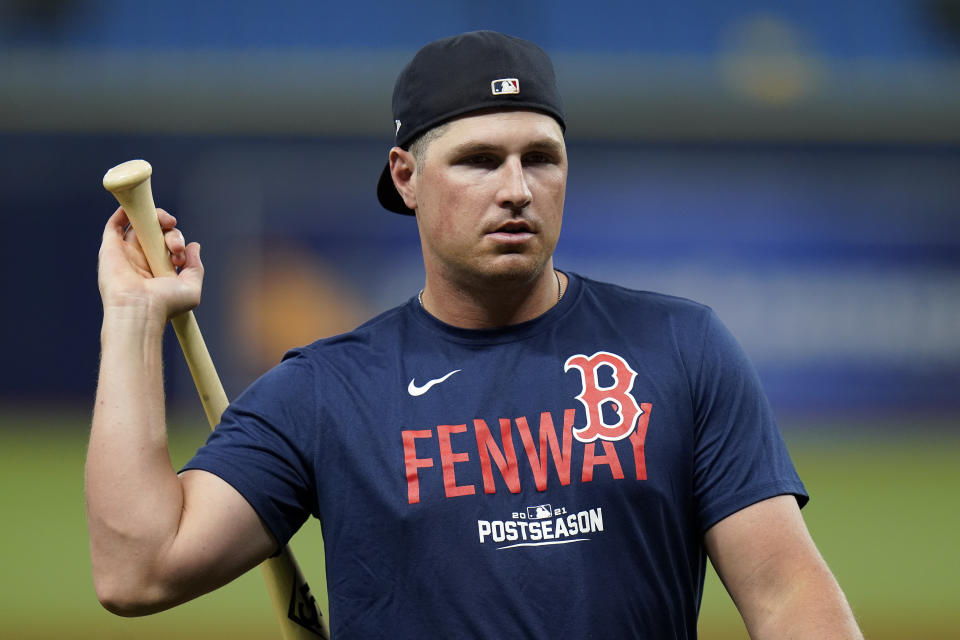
(498, 304)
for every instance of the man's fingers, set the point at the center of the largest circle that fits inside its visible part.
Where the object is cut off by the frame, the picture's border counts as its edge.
(118, 229)
(192, 259)
(167, 221)
(173, 237)
(119, 223)
(191, 272)
(176, 245)
(120, 243)
(113, 230)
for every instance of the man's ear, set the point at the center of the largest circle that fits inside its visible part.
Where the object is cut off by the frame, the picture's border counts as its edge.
(402, 168)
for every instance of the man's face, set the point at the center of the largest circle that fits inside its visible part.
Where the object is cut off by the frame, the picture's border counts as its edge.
(489, 197)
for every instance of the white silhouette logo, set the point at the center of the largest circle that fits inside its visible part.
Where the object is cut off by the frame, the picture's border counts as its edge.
(539, 512)
(415, 390)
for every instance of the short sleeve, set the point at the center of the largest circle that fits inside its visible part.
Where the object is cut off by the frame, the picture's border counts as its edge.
(263, 447)
(740, 457)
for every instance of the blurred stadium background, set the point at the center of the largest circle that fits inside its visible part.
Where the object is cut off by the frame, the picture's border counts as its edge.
(796, 165)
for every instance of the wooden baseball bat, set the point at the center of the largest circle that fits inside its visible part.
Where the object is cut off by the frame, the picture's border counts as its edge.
(296, 609)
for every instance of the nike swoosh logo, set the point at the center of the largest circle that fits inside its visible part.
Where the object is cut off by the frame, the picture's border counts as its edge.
(415, 390)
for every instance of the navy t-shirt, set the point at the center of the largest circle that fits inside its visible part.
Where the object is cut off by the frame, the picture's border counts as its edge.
(549, 479)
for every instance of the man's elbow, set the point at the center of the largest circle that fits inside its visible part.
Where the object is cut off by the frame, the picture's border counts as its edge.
(129, 598)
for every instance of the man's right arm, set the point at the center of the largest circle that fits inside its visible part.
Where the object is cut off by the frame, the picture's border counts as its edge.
(156, 539)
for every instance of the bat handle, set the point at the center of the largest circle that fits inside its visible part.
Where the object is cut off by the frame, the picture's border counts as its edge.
(130, 184)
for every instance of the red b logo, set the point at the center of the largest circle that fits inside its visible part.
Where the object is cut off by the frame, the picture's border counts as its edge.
(593, 396)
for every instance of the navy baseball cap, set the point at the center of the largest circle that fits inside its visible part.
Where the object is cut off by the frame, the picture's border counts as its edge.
(454, 76)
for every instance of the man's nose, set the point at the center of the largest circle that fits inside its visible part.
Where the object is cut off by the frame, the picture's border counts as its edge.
(514, 192)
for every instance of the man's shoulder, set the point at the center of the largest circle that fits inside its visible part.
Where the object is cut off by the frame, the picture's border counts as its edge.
(618, 296)
(374, 334)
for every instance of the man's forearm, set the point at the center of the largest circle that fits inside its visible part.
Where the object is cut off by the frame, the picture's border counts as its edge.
(812, 606)
(134, 498)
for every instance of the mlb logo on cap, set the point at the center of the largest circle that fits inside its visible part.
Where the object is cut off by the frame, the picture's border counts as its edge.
(505, 86)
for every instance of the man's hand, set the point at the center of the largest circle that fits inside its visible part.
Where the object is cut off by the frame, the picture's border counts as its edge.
(126, 283)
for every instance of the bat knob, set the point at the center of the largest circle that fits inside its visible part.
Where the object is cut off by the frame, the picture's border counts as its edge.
(127, 175)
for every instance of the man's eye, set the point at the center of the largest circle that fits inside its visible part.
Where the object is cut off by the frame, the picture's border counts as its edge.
(477, 159)
(537, 158)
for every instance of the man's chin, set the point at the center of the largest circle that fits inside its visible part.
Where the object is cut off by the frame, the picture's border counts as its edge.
(512, 269)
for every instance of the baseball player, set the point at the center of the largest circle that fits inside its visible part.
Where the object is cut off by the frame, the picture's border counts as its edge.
(515, 452)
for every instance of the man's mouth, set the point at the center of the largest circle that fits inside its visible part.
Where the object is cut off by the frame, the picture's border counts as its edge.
(513, 227)
(512, 232)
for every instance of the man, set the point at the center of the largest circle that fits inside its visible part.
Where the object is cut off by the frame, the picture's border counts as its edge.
(516, 452)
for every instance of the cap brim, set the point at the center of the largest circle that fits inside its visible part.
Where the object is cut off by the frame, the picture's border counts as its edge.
(388, 195)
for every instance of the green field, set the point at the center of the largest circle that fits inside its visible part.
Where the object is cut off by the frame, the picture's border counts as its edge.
(884, 513)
